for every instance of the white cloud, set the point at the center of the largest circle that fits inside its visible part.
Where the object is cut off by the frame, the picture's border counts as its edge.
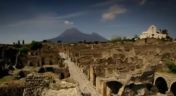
(72, 15)
(103, 4)
(142, 2)
(106, 3)
(113, 12)
(66, 22)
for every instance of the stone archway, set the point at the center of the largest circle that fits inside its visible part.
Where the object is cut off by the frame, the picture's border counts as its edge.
(173, 88)
(114, 86)
(161, 85)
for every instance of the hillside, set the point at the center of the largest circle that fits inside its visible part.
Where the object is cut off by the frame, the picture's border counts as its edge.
(74, 35)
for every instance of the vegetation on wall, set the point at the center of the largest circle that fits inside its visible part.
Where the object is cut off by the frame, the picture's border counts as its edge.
(172, 68)
(169, 63)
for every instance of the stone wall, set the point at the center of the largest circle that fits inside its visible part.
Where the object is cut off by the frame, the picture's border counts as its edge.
(13, 88)
(35, 83)
(118, 60)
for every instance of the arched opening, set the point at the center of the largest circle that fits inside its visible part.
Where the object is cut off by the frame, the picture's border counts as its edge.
(161, 85)
(114, 86)
(173, 88)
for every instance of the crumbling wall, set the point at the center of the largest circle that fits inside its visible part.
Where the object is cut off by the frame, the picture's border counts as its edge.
(13, 88)
(35, 83)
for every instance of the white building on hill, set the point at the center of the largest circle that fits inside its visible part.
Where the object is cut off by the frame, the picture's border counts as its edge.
(152, 32)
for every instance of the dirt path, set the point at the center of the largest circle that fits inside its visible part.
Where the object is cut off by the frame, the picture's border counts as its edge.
(75, 73)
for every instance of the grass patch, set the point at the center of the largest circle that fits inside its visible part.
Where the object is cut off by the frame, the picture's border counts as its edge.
(6, 79)
(171, 66)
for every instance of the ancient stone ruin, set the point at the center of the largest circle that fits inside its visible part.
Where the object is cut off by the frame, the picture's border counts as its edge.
(35, 84)
(103, 69)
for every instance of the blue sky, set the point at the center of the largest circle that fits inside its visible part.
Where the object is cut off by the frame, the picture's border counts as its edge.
(43, 19)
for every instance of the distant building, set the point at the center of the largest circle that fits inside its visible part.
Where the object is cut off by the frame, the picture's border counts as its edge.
(152, 32)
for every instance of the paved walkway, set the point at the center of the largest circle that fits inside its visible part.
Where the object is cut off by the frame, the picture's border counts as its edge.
(75, 73)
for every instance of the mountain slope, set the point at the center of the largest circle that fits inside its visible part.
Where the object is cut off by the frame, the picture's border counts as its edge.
(73, 35)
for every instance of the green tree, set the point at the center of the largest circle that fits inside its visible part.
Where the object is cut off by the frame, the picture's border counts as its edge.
(36, 45)
(116, 39)
(23, 42)
(23, 50)
(19, 42)
(59, 41)
(165, 31)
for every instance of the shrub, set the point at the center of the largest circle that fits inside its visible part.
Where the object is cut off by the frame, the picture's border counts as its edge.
(36, 45)
(172, 67)
(116, 39)
(23, 50)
